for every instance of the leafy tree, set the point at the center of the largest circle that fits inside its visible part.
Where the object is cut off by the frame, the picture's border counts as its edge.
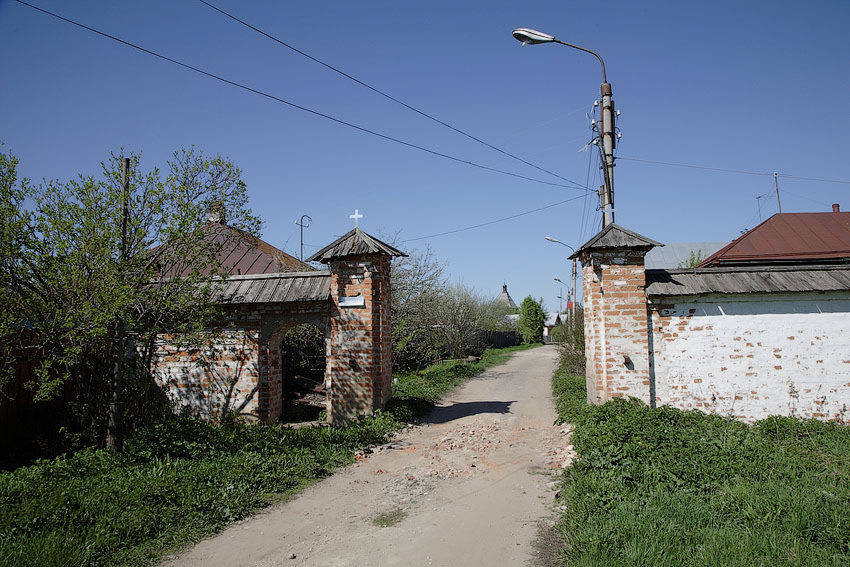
(88, 292)
(570, 338)
(433, 319)
(418, 282)
(530, 324)
(460, 313)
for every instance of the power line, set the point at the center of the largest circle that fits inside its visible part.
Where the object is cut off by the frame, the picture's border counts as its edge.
(494, 221)
(383, 94)
(297, 106)
(740, 171)
(788, 175)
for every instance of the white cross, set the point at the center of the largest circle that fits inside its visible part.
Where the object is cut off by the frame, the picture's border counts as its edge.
(355, 216)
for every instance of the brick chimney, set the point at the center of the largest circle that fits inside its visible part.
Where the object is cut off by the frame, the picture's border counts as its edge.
(835, 208)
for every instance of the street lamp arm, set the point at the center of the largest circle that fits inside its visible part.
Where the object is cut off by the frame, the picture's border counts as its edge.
(604, 77)
(556, 241)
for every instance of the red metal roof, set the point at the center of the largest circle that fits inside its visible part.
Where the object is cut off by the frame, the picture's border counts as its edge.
(789, 238)
(241, 254)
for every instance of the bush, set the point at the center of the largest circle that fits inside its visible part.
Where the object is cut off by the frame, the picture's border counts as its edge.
(571, 344)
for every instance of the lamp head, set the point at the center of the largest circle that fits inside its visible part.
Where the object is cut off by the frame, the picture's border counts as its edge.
(550, 239)
(533, 37)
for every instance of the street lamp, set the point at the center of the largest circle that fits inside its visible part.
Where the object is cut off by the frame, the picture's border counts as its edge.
(574, 276)
(556, 241)
(529, 36)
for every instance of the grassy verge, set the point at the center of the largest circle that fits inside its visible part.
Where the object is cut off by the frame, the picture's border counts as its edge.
(185, 479)
(415, 392)
(665, 487)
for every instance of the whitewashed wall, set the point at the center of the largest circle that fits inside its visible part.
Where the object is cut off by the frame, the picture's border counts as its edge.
(753, 356)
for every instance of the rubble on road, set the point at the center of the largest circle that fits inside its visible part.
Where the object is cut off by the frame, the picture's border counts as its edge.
(561, 453)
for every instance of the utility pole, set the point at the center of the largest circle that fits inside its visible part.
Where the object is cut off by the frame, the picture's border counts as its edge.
(609, 142)
(776, 181)
(114, 433)
(303, 226)
(573, 307)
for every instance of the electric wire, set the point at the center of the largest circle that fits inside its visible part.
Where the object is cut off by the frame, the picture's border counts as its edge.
(584, 205)
(740, 171)
(299, 107)
(463, 229)
(383, 94)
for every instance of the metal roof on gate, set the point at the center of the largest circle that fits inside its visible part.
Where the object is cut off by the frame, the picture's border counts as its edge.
(282, 287)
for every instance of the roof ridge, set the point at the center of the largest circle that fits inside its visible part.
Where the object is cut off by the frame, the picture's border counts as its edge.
(360, 243)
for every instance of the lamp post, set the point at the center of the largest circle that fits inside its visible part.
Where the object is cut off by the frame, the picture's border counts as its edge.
(572, 307)
(529, 36)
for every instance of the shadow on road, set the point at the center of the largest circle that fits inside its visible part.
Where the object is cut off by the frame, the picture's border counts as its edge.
(444, 414)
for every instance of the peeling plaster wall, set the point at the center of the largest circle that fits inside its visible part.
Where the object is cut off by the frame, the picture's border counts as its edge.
(753, 356)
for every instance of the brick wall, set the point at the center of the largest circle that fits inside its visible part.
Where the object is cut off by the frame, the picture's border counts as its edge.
(222, 375)
(615, 325)
(743, 355)
(359, 361)
(238, 369)
(755, 355)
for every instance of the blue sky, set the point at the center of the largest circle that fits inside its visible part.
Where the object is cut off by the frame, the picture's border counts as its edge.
(744, 85)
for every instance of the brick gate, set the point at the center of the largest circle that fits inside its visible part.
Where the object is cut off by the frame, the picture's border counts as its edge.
(239, 370)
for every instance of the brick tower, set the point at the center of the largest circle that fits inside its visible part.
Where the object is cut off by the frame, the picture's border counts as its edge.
(358, 375)
(616, 329)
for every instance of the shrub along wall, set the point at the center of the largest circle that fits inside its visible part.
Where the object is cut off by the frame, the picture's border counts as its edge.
(670, 487)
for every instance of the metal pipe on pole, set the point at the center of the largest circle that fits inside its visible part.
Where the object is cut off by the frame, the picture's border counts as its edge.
(303, 226)
(573, 306)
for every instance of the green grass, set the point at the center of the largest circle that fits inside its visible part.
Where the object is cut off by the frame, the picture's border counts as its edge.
(175, 483)
(414, 393)
(185, 479)
(666, 487)
(389, 519)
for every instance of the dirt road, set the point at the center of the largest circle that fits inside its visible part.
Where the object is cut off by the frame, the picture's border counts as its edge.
(468, 487)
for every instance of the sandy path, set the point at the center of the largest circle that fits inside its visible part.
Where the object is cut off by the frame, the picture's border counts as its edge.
(468, 487)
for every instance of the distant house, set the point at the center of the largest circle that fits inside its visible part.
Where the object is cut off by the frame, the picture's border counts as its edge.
(551, 321)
